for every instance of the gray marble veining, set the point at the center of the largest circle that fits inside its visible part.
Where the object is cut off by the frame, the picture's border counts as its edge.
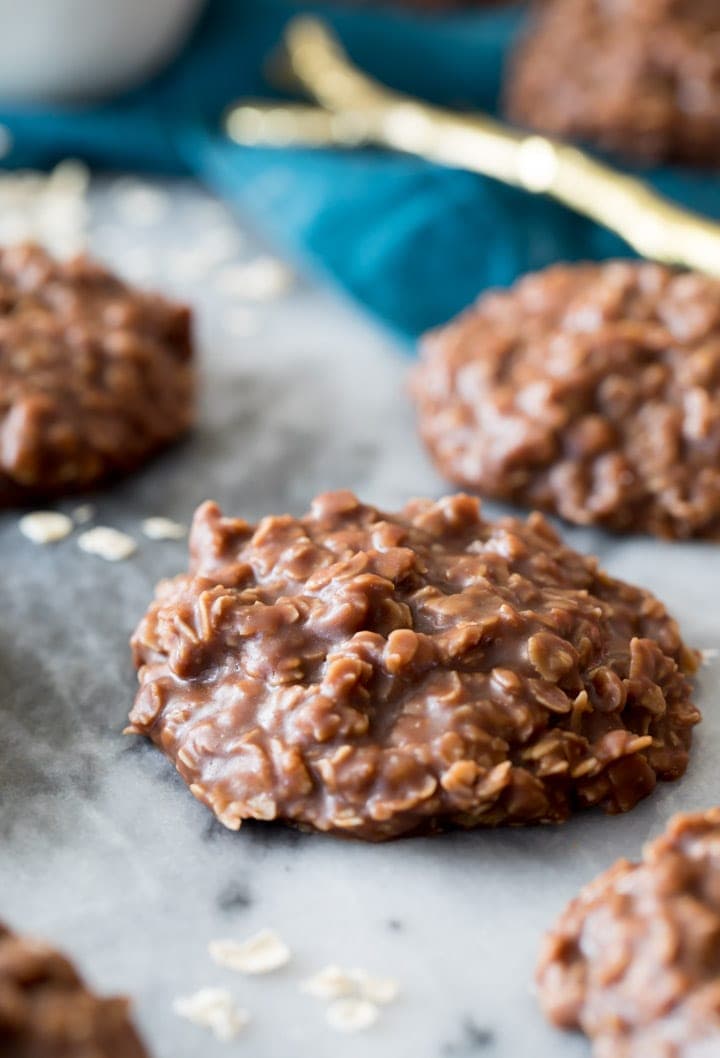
(103, 850)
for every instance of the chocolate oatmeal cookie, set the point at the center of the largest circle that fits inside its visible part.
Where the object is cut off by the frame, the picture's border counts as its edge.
(382, 674)
(641, 77)
(634, 961)
(46, 1011)
(95, 377)
(592, 391)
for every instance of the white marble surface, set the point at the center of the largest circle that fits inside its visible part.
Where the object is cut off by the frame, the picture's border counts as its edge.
(103, 850)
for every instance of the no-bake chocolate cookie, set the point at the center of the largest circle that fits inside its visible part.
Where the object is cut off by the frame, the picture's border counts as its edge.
(592, 391)
(46, 1011)
(634, 961)
(641, 77)
(95, 377)
(381, 674)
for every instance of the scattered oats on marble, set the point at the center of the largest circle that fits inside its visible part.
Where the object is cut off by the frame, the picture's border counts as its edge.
(241, 321)
(15, 227)
(71, 176)
(107, 543)
(221, 243)
(214, 1009)
(45, 527)
(332, 982)
(259, 954)
(187, 266)
(83, 514)
(48, 208)
(708, 655)
(140, 204)
(158, 528)
(351, 1015)
(209, 211)
(137, 263)
(263, 279)
(379, 990)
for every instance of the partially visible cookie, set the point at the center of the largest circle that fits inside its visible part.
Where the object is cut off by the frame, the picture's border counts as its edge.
(641, 77)
(95, 376)
(592, 391)
(634, 961)
(377, 674)
(46, 1010)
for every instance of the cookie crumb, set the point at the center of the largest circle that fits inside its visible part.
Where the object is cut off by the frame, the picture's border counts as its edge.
(45, 527)
(158, 528)
(709, 655)
(107, 543)
(214, 1009)
(259, 954)
(351, 1015)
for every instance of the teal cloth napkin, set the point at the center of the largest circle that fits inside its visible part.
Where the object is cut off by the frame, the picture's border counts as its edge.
(411, 241)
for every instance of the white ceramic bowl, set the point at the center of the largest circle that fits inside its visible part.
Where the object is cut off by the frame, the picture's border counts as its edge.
(84, 49)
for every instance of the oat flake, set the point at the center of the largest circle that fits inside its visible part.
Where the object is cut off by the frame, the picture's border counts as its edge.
(332, 982)
(263, 279)
(158, 528)
(214, 1009)
(241, 321)
(139, 204)
(260, 954)
(45, 527)
(351, 1015)
(83, 514)
(380, 990)
(107, 543)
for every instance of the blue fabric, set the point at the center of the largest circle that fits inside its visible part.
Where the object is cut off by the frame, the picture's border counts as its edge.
(412, 242)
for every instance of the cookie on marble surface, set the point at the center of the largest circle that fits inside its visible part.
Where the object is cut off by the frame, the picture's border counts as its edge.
(634, 960)
(591, 391)
(379, 674)
(47, 1011)
(95, 376)
(641, 77)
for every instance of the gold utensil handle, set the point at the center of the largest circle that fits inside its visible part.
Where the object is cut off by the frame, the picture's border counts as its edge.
(256, 122)
(367, 112)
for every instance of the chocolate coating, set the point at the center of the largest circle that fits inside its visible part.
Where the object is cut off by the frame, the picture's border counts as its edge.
(592, 391)
(46, 1011)
(641, 77)
(634, 961)
(95, 377)
(382, 674)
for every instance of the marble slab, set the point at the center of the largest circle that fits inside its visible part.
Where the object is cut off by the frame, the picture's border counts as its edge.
(103, 850)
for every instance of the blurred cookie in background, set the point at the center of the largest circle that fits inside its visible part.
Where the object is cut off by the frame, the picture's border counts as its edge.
(95, 376)
(633, 960)
(591, 391)
(638, 77)
(47, 1011)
